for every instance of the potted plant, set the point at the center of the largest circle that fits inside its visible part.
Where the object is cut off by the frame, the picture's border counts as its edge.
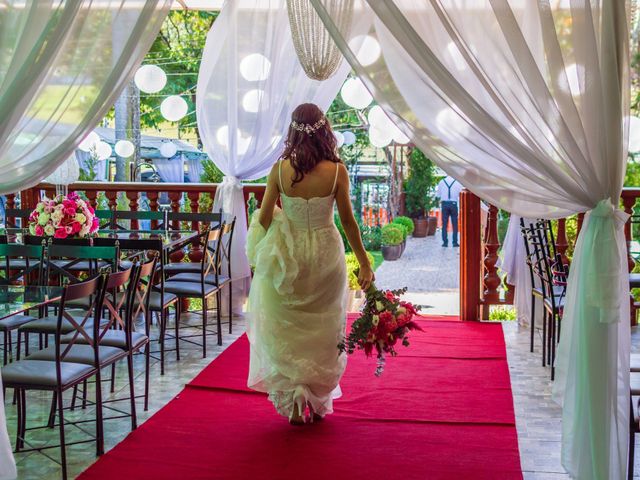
(419, 194)
(408, 225)
(392, 241)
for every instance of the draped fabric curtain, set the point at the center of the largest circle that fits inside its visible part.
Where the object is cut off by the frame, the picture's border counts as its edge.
(195, 169)
(171, 170)
(249, 83)
(62, 65)
(526, 103)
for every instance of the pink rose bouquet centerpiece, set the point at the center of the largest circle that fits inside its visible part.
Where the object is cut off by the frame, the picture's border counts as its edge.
(64, 216)
(385, 320)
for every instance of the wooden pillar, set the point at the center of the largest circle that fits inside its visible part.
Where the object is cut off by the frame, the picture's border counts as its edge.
(92, 196)
(195, 253)
(133, 206)
(562, 243)
(470, 256)
(153, 206)
(175, 197)
(491, 281)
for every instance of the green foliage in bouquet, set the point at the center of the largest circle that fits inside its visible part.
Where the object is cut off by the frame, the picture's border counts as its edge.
(393, 234)
(406, 222)
(352, 269)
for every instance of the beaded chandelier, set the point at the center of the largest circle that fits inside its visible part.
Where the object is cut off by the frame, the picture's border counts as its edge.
(316, 50)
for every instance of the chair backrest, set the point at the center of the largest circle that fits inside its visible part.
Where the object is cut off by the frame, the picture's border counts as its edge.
(63, 258)
(16, 217)
(542, 266)
(211, 260)
(29, 269)
(137, 215)
(105, 217)
(141, 295)
(226, 242)
(209, 219)
(95, 291)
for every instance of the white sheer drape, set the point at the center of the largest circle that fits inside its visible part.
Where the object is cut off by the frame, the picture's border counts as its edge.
(171, 170)
(60, 72)
(250, 81)
(195, 169)
(524, 102)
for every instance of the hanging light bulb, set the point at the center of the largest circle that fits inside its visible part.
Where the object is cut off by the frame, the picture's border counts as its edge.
(150, 78)
(124, 148)
(173, 108)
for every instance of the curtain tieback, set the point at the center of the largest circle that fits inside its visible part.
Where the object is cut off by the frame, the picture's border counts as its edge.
(605, 235)
(227, 191)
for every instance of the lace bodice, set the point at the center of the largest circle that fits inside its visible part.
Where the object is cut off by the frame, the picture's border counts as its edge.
(316, 212)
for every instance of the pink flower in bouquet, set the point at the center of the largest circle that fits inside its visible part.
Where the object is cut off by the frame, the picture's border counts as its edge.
(70, 211)
(39, 230)
(60, 233)
(62, 217)
(95, 225)
(75, 227)
(68, 229)
(390, 296)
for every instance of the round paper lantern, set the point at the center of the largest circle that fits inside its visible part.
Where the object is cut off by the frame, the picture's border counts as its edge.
(168, 149)
(349, 137)
(103, 150)
(377, 117)
(367, 48)
(355, 94)
(66, 173)
(89, 142)
(255, 67)
(222, 135)
(150, 78)
(251, 100)
(339, 138)
(379, 137)
(399, 137)
(173, 108)
(124, 148)
(634, 134)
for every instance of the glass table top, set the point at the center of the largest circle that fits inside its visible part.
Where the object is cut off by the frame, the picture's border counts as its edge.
(17, 299)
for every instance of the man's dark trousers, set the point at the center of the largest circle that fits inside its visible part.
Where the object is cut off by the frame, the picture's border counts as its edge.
(449, 211)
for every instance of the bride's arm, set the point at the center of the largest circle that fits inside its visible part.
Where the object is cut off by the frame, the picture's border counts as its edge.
(270, 198)
(351, 229)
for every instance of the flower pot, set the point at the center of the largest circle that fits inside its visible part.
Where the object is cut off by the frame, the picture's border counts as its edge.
(403, 245)
(391, 252)
(421, 227)
(432, 225)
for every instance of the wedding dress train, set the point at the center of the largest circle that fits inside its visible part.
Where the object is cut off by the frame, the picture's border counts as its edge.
(297, 305)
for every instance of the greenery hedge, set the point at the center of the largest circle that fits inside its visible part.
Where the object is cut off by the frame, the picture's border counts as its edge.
(393, 234)
(406, 222)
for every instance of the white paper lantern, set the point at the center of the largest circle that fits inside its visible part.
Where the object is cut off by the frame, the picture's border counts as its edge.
(355, 94)
(103, 150)
(251, 100)
(173, 108)
(379, 137)
(89, 142)
(634, 134)
(377, 117)
(339, 138)
(255, 67)
(66, 173)
(150, 78)
(124, 148)
(168, 149)
(399, 137)
(349, 137)
(367, 48)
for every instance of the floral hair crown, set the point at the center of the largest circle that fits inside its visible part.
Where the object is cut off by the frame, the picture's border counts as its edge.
(309, 129)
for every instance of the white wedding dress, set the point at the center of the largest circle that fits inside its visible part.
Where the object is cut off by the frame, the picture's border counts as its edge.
(297, 304)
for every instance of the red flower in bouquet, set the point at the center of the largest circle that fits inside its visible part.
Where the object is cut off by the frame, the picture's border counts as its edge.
(63, 217)
(384, 321)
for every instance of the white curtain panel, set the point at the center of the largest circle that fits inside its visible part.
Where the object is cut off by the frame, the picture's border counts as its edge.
(195, 169)
(249, 83)
(62, 65)
(526, 103)
(171, 170)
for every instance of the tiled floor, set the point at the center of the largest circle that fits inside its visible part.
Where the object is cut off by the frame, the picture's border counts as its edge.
(36, 466)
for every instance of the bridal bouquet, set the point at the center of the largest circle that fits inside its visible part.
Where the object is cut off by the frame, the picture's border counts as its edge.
(64, 216)
(385, 320)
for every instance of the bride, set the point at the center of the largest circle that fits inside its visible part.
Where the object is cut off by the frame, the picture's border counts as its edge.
(297, 302)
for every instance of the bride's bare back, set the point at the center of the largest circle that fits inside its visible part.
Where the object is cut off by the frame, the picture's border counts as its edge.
(319, 182)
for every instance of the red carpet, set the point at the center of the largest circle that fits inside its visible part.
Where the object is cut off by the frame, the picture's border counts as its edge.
(441, 410)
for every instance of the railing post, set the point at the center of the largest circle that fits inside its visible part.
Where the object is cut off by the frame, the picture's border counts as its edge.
(491, 293)
(470, 256)
(10, 205)
(92, 196)
(562, 243)
(153, 206)
(195, 253)
(175, 197)
(133, 206)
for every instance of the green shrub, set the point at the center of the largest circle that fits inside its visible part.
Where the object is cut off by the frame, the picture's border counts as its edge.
(501, 313)
(371, 237)
(407, 222)
(352, 266)
(392, 234)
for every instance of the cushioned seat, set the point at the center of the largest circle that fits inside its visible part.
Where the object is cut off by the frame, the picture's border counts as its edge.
(84, 303)
(195, 278)
(113, 338)
(49, 324)
(634, 280)
(559, 300)
(14, 322)
(80, 354)
(81, 266)
(182, 267)
(188, 289)
(125, 264)
(40, 372)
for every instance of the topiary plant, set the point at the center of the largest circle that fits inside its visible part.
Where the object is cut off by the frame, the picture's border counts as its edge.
(392, 234)
(405, 221)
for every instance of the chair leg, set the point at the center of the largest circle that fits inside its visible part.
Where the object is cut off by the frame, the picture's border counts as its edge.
(132, 392)
(544, 337)
(230, 308)
(99, 418)
(147, 354)
(23, 408)
(18, 345)
(113, 377)
(18, 394)
(177, 327)
(533, 320)
(204, 328)
(5, 358)
(52, 412)
(84, 395)
(26, 344)
(164, 313)
(73, 399)
(63, 445)
(219, 315)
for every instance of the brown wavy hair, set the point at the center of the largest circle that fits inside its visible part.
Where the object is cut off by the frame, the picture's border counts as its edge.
(305, 150)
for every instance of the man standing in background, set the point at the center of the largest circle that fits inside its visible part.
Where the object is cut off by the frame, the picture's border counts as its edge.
(448, 190)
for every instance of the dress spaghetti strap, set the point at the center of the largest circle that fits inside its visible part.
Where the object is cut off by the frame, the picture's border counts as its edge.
(335, 179)
(280, 175)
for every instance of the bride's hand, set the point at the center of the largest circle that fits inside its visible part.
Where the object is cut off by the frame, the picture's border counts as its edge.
(365, 277)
